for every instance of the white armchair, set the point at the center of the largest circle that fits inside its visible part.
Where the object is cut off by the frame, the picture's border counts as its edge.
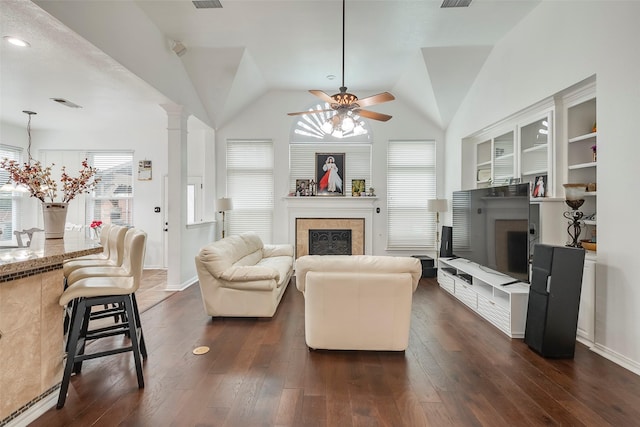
(358, 302)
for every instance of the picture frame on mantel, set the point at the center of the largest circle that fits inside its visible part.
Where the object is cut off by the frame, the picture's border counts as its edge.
(330, 173)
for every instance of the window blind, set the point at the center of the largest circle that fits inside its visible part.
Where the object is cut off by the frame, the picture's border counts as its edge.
(10, 202)
(357, 162)
(411, 181)
(250, 186)
(112, 201)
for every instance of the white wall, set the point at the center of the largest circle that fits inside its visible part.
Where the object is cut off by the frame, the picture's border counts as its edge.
(268, 119)
(149, 142)
(556, 46)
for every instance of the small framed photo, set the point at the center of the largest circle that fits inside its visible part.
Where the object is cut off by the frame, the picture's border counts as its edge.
(357, 188)
(302, 187)
(539, 186)
(144, 170)
(330, 172)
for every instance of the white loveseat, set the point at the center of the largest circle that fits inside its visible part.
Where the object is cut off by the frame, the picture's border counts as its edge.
(359, 302)
(242, 277)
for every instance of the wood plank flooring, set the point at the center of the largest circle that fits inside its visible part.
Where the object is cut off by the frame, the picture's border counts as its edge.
(458, 371)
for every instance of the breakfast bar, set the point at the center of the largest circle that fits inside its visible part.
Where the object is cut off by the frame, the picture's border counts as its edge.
(31, 320)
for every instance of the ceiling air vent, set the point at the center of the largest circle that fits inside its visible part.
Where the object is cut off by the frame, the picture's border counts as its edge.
(66, 102)
(207, 4)
(456, 3)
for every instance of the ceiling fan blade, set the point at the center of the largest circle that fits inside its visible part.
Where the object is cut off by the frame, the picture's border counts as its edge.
(372, 115)
(299, 113)
(375, 99)
(320, 94)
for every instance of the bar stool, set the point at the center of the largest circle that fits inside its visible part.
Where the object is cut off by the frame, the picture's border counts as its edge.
(100, 291)
(114, 247)
(104, 240)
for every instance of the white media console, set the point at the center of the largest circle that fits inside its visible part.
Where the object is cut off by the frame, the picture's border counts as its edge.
(486, 292)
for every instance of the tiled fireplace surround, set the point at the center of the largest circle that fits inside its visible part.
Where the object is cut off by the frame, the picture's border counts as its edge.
(331, 213)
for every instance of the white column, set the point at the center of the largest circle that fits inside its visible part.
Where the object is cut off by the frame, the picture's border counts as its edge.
(177, 190)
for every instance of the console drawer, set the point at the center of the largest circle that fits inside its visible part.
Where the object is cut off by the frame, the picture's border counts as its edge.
(495, 314)
(446, 282)
(465, 294)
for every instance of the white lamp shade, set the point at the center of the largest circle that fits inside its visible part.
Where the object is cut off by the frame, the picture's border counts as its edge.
(224, 204)
(437, 205)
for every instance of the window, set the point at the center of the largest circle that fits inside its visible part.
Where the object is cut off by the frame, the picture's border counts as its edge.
(411, 181)
(250, 185)
(194, 199)
(112, 202)
(10, 202)
(461, 205)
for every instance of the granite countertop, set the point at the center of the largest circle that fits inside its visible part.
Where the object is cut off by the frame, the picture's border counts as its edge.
(44, 253)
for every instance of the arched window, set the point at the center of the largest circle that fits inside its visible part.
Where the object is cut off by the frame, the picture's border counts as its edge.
(309, 127)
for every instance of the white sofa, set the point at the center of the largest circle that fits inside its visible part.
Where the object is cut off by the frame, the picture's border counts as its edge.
(242, 277)
(359, 302)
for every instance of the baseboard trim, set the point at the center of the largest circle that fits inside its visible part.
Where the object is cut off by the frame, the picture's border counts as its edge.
(617, 358)
(182, 286)
(36, 411)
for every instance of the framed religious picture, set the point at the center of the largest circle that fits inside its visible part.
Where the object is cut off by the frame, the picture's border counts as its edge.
(539, 186)
(357, 188)
(330, 174)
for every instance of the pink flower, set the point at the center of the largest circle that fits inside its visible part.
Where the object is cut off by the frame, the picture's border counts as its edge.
(593, 148)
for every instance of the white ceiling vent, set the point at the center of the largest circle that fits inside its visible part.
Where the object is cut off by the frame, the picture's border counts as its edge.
(66, 102)
(207, 4)
(456, 3)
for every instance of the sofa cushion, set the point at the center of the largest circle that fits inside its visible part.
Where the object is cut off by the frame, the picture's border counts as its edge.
(222, 254)
(281, 264)
(356, 264)
(238, 273)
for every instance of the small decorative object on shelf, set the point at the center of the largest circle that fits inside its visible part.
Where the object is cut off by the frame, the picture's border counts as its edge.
(595, 128)
(594, 148)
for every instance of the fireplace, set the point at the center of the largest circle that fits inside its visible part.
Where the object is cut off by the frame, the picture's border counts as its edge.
(329, 236)
(329, 242)
(331, 213)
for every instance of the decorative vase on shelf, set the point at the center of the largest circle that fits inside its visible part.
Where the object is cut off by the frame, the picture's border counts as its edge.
(55, 218)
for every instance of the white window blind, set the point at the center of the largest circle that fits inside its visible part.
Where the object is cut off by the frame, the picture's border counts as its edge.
(357, 162)
(112, 201)
(250, 186)
(10, 202)
(411, 181)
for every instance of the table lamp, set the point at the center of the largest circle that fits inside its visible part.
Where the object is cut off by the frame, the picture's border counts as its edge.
(224, 204)
(437, 206)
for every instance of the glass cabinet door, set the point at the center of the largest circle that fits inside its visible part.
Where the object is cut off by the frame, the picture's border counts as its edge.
(483, 164)
(503, 158)
(535, 142)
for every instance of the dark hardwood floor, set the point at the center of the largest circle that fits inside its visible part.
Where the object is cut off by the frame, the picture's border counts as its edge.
(458, 371)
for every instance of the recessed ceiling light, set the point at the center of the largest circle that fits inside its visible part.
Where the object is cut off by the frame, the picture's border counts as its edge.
(65, 102)
(331, 77)
(16, 41)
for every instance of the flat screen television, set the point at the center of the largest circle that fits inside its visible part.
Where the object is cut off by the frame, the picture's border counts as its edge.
(491, 228)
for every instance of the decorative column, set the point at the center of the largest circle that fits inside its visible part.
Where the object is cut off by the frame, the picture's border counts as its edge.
(176, 191)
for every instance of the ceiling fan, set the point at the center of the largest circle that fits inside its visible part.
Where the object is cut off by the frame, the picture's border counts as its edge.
(345, 103)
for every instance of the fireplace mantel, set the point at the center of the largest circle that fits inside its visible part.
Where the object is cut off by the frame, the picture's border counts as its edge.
(332, 207)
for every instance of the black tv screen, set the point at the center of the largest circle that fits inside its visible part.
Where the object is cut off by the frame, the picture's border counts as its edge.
(491, 228)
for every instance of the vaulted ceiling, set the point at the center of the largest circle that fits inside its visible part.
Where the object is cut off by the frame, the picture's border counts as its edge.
(427, 56)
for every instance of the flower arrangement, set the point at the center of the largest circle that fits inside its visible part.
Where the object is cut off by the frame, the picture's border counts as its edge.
(41, 185)
(96, 228)
(593, 150)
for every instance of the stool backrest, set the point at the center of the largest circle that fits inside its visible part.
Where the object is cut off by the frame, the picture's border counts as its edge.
(135, 244)
(25, 233)
(116, 244)
(104, 239)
